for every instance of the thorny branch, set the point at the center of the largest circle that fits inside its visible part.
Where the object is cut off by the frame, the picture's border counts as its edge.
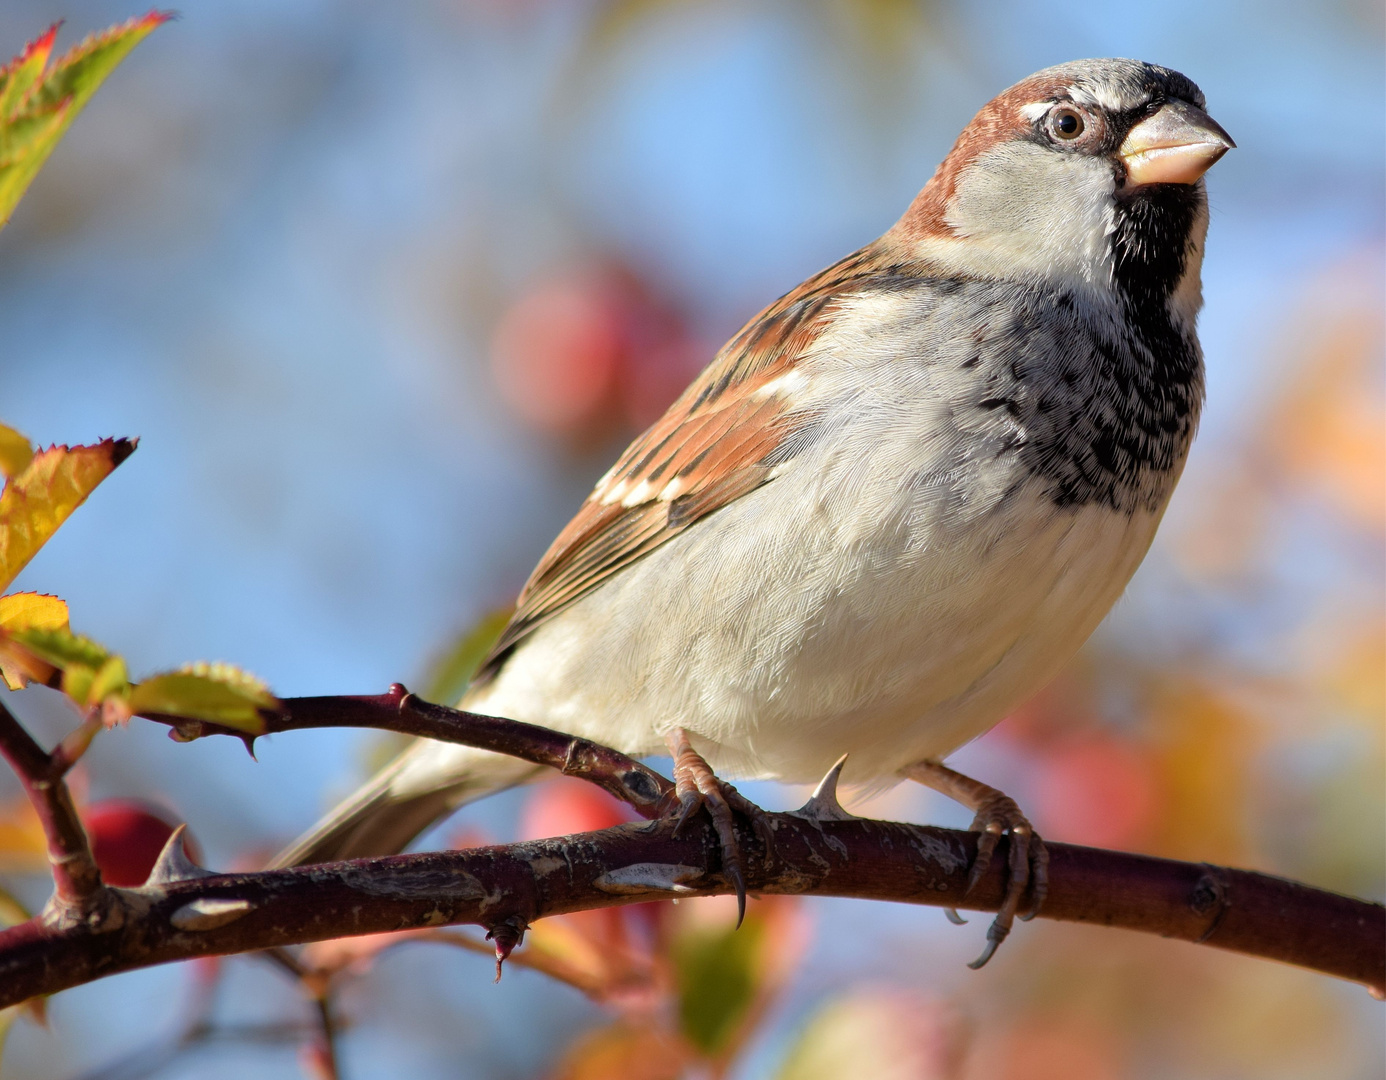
(398, 710)
(184, 911)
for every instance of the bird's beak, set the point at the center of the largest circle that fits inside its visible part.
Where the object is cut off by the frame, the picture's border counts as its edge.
(1176, 145)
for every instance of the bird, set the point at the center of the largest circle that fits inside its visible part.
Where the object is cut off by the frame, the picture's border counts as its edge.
(894, 504)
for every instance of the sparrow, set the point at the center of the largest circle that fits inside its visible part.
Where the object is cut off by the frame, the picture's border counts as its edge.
(894, 504)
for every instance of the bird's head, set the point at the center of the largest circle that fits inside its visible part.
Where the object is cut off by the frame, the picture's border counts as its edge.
(1087, 176)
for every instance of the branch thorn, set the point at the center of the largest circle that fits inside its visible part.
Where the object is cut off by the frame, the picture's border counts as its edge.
(823, 804)
(173, 863)
(507, 935)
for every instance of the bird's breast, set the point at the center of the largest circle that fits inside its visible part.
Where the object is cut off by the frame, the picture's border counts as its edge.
(915, 571)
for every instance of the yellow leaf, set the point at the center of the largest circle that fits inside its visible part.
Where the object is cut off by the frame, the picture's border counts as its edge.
(1202, 758)
(560, 948)
(15, 451)
(35, 1009)
(216, 693)
(21, 611)
(38, 500)
(23, 847)
(19, 667)
(1326, 431)
(12, 912)
(628, 1051)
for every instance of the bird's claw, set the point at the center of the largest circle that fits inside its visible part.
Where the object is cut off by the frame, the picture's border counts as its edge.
(697, 786)
(996, 933)
(997, 816)
(1028, 868)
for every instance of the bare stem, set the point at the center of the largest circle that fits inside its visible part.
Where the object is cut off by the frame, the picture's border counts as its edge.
(324, 1049)
(77, 888)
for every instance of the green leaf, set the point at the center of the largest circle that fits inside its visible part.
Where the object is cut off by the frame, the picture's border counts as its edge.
(77, 680)
(90, 673)
(23, 71)
(62, 648)
(111, 679)
(15, 452)
(36, 501)
(23, 136)
(716, 974)
(36, 107)
(216, 693)
(77, 74)
(448, 676)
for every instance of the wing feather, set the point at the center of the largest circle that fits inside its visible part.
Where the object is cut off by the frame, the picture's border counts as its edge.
(720, 440)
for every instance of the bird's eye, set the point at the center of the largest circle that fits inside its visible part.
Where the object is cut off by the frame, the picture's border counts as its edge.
(1066, 123)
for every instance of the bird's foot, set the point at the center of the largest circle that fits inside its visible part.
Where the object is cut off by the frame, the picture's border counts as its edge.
(1029, 865)
(697, 786)
(997, 816)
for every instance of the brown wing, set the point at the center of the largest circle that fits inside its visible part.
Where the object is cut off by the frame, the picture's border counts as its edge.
(717, 442)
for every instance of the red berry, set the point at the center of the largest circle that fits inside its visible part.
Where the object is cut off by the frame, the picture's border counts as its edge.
(556, 356)
(126, 838)
(582, 354)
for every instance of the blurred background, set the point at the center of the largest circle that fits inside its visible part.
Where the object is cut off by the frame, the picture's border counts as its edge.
(382, 289)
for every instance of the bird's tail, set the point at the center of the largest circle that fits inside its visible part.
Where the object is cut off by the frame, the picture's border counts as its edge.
(426, 782)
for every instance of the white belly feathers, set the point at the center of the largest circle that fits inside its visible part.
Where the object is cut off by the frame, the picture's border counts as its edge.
(940, 587)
